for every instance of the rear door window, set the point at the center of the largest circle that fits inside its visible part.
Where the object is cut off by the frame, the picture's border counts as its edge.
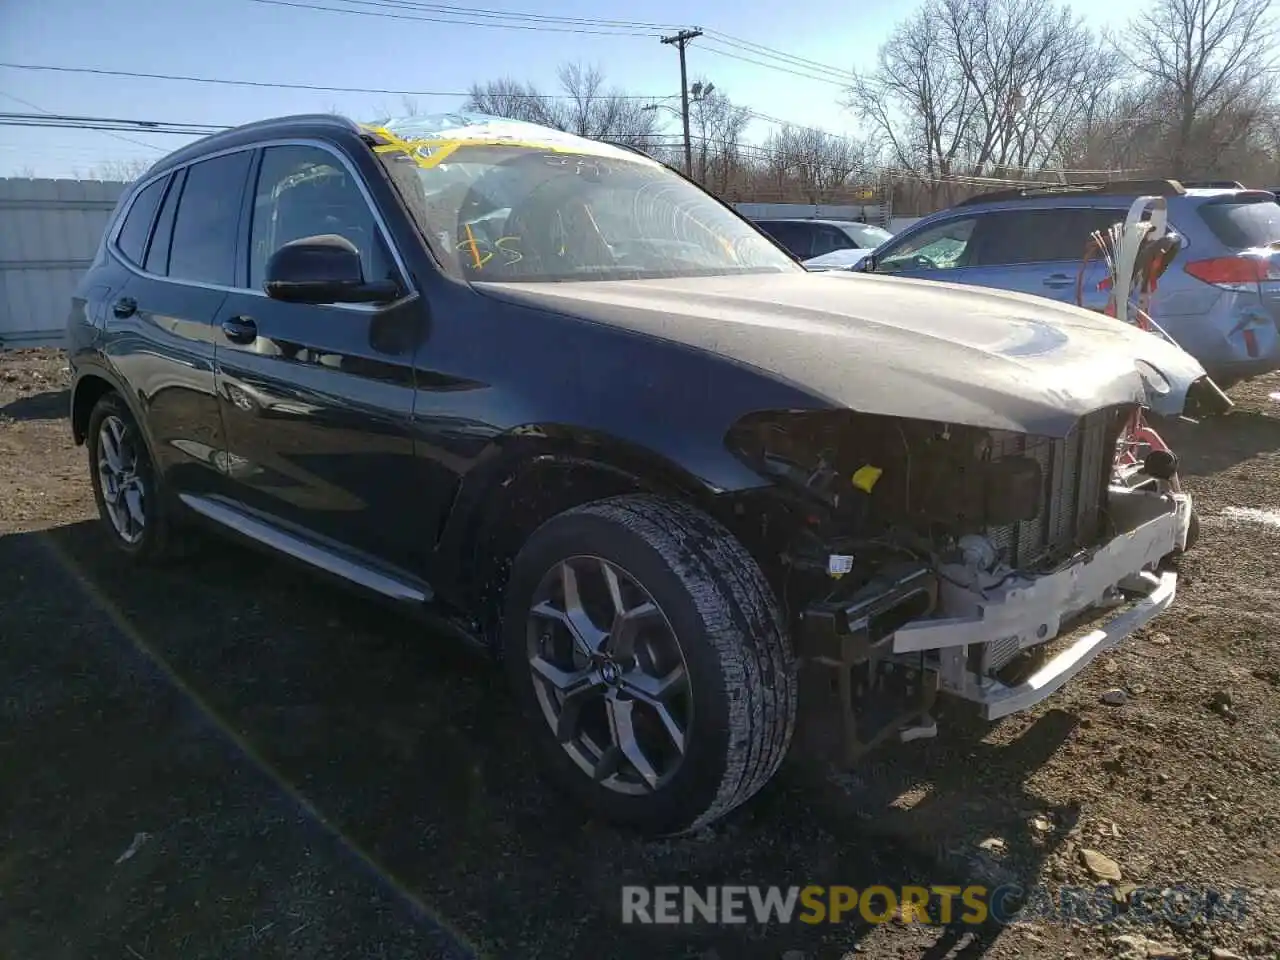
(205, 229)
(827, 239)
(1011, 237)
(793, 236)
(132, 239)
(158, 252)
(1240, 225)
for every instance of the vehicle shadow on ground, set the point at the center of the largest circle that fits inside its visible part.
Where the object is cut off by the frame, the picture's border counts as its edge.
(52, 405)
(1219, 443)
(409, 745)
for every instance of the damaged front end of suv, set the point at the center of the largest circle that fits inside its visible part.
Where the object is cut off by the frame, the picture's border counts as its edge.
(920, 558)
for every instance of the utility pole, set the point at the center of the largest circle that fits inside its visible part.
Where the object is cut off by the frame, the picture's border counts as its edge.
(680, 41)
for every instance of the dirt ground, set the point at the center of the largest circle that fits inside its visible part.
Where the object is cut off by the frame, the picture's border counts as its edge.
(224, 758)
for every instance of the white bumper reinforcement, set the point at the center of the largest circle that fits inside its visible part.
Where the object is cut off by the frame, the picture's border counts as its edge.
(1025, 612)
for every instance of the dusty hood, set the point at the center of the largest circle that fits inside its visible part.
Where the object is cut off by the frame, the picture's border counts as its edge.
(907, 348)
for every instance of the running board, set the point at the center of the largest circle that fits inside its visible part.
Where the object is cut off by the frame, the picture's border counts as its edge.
(328, 559)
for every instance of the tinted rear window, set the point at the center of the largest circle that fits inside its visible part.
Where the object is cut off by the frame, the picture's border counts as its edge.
(1041, 235)
(132, 240)
(158, 254)
(794, 236)
(1253, 223)
(204, 234)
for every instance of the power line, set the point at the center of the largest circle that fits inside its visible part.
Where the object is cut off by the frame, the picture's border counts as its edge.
(467, 11)
(764, 63)
(536, 27)
(773, 53)
(136, 75)
(107, 124)
(35, 106)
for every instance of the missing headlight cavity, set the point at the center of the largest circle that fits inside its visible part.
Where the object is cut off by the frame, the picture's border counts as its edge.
(897, 470)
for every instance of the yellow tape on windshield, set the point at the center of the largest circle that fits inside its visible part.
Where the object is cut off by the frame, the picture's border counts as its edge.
(442, 148)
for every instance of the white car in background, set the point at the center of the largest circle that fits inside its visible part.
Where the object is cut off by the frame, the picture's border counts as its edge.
(806, 239)
(839, 259)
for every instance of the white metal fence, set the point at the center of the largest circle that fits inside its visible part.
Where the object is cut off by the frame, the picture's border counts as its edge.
(869, 212)
(49, 230)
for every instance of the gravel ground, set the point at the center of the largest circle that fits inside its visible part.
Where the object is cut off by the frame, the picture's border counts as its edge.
(227, 759)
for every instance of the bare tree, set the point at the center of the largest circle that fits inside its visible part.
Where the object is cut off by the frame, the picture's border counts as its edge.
(816, 163)
(125, 171)
(1208, 67)
(916, 99)
(978, 88)
(512, 99)
(716, 126)
(585, 106)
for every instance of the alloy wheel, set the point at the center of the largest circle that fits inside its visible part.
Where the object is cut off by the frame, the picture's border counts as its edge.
(123, 491)
(609, 675)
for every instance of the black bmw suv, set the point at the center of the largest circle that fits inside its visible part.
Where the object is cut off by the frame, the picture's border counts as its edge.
(549, 391)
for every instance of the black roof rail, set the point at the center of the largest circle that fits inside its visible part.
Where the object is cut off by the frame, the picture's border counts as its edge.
(1123, 188)
(210, 143)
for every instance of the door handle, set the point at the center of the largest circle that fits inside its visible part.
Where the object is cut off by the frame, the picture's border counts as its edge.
(1058, 280)
(125, 307)
(240, 329)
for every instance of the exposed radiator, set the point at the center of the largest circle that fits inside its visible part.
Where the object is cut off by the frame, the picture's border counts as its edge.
(1076, 471)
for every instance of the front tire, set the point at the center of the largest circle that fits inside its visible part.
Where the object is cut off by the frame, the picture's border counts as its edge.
(650, 661)
(124, 481)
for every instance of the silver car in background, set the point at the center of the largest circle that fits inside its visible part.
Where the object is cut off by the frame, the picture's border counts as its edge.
(1220, 299)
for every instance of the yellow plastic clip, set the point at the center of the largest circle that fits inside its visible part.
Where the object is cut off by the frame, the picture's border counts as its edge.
(865, 477)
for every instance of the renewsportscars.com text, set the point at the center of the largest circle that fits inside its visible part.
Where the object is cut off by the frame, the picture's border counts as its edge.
(935, 904)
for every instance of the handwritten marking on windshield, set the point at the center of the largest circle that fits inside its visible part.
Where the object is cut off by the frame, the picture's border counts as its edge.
(475, 252)
(481, 253)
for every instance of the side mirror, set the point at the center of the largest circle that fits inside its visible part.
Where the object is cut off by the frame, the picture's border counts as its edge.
(323, 269)
(867, 264)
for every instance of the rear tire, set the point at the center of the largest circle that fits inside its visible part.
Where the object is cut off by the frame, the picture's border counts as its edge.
(663, 591)
(125, 485)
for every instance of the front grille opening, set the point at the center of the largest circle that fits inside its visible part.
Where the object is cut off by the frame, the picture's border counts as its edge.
(1076, 474)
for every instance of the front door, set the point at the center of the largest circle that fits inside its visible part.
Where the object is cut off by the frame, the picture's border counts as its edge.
(318, 400)
(939, 251)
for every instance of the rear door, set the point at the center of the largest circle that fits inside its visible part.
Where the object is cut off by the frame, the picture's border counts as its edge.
(1039, 251)
(318, 400)
(161, 324)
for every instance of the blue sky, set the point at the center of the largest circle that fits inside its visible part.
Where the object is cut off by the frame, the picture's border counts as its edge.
(249, 40)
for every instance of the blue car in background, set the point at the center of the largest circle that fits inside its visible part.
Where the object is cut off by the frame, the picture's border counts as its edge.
(1220, 299)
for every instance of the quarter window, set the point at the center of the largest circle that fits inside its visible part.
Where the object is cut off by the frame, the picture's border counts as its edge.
(132, 240)
(304, 192)
(204, 232)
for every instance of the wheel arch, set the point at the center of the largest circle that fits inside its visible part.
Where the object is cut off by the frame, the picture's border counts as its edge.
(92, 383)
(500, 505)
(90, 387)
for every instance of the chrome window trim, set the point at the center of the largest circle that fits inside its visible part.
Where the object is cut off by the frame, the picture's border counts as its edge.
(113, 247)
